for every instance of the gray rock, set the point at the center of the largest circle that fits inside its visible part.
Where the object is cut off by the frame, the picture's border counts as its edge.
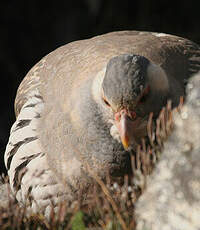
(172, 198)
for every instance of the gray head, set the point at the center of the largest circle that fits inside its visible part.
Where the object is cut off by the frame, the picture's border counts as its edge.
(133, 87)
(125, 78)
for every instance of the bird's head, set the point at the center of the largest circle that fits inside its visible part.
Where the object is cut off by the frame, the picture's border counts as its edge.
(132, 88)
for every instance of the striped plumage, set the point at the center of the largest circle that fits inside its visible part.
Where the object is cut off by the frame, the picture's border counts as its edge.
(25, 161)
(62, 120)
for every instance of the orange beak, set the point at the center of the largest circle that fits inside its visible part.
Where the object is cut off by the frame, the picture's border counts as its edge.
(126, 126)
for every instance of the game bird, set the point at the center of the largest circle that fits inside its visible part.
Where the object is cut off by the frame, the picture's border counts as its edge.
(87, 104)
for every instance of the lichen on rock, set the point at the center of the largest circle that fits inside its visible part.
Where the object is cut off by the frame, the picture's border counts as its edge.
(172, 198)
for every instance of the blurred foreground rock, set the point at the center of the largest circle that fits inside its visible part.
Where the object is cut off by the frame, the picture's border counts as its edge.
(172, 198)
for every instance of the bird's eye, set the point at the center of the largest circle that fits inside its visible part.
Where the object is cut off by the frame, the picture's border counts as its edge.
(106, 102)
(144, 95)
(143, 99)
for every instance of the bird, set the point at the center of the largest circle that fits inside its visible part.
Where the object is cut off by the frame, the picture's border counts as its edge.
(87, 103)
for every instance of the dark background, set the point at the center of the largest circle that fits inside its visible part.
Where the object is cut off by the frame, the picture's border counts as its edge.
(31, 29)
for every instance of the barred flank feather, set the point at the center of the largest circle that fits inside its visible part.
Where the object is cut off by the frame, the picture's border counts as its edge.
(28, 171)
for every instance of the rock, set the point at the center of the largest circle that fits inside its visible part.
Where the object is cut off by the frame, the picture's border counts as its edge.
(172, 198)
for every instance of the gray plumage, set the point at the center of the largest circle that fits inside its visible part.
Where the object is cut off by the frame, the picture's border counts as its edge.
(63, 122)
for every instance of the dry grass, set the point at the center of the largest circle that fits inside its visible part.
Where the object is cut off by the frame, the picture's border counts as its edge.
(109, 205)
